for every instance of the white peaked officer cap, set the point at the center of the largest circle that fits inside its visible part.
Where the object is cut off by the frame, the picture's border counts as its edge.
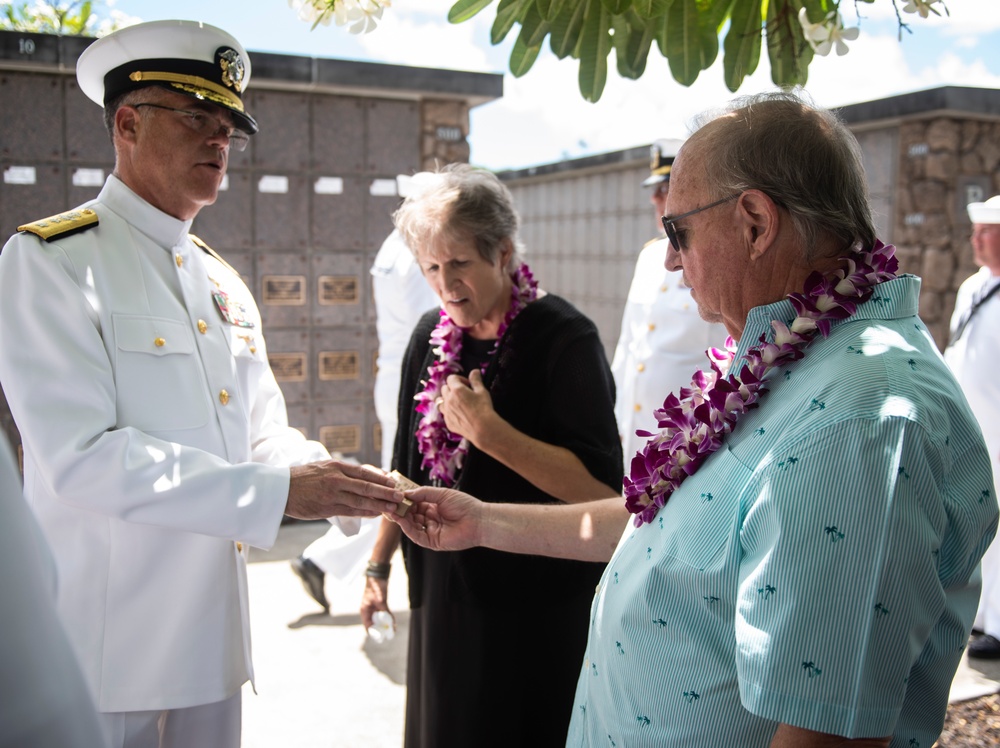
(988, 212)
(187, 57)
(661, 159)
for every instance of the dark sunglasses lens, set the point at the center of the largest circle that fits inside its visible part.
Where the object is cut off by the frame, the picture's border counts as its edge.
(668, 227)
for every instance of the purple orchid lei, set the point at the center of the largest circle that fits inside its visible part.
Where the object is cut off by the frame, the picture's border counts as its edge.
(695, 425)
(444, 452)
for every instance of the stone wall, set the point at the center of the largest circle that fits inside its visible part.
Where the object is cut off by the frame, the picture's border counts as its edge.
(944, 164)
(444, 132)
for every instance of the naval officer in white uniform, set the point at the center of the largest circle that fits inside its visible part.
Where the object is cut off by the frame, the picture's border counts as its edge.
(973, 353)
(156, 441)
(663, 339)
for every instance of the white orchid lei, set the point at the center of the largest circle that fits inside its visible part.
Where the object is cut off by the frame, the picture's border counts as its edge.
(360, 16)
(444, 452)
(694, 425)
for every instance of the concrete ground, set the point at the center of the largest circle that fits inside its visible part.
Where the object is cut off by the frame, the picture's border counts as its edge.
(322, 684)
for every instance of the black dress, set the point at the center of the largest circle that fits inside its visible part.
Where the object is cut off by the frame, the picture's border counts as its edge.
(497, 639)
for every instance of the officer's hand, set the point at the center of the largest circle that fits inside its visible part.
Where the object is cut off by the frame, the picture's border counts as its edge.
(339, 489)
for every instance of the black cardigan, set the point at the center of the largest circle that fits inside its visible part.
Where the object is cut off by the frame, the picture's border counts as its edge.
(549, 379)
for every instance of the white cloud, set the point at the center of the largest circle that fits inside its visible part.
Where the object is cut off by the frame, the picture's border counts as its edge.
(417, 32)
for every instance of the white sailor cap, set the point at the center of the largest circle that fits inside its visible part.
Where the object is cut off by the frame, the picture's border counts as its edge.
(188, 57)
(988, 212)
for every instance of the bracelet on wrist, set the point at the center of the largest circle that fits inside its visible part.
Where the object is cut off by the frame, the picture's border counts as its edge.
(378, 570)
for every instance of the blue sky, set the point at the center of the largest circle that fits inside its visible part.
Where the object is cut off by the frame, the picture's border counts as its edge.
(542, 117)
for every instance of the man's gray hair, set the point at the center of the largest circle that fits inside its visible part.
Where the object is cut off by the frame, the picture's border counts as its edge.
(461, 203)
(129, 98)
(804, 158)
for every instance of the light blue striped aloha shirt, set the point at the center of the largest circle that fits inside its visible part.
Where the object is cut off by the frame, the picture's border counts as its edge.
(820, 570)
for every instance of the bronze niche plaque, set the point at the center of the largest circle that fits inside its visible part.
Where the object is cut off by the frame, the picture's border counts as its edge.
(377, 437)
(288, 367)
(343, 439)
(284, 290)
(340, 365)
(339, 289)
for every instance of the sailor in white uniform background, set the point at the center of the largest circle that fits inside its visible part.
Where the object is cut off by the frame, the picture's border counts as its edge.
(973, 353)
(401, 296)
(663, 339)
(156, 441)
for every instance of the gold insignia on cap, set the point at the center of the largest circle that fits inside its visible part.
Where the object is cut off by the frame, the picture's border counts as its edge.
(61, 224)
(192, 84)
(233, 69)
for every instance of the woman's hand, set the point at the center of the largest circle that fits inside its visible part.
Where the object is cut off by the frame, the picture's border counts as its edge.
(373, 599)
(467, 406)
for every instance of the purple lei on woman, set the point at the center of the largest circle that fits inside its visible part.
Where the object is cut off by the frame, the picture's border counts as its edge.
(444, 452)
(694, 425)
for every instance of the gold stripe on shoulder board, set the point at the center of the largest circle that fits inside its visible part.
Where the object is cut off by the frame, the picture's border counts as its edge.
(61, 224)
(208, 250)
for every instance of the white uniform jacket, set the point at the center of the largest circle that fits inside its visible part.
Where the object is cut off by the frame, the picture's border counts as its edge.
(401, 296)
(156, 447)
(975, 360)
(662, 343)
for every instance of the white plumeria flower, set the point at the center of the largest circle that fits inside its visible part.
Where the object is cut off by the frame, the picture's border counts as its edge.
(360, 16)
(311, 11)
(923, 7)
(809, 30)
(822, 37)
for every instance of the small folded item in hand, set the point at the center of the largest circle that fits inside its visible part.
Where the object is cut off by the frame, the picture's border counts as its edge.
(403, 484)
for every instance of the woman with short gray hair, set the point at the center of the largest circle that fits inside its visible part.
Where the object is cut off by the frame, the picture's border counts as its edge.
(505, 391)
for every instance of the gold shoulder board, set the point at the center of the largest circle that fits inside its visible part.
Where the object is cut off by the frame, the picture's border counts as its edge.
(654, 240)
(209, 251)
(61, 225)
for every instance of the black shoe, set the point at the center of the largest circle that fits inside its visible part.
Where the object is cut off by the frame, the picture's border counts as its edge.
(312, 579)
(985, 647)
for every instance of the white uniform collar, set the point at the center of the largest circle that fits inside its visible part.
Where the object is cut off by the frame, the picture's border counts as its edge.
(163, 229)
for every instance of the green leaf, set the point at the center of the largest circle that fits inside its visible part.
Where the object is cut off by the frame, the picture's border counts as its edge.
(595, 45)
(651, 8)
(567, 29)
(632, 40)
(691, 46)
(616, 7)
(544, 9)
(787, 49)
(743, 41)
(77, 24)
(550, 9)
(533, 29)
(463, 10)
(509, 12)
(523, 56)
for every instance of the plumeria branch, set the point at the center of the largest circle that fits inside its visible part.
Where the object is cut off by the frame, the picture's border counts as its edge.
(695, 425)
(923, 8)
(360, 16)
(830, 32)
